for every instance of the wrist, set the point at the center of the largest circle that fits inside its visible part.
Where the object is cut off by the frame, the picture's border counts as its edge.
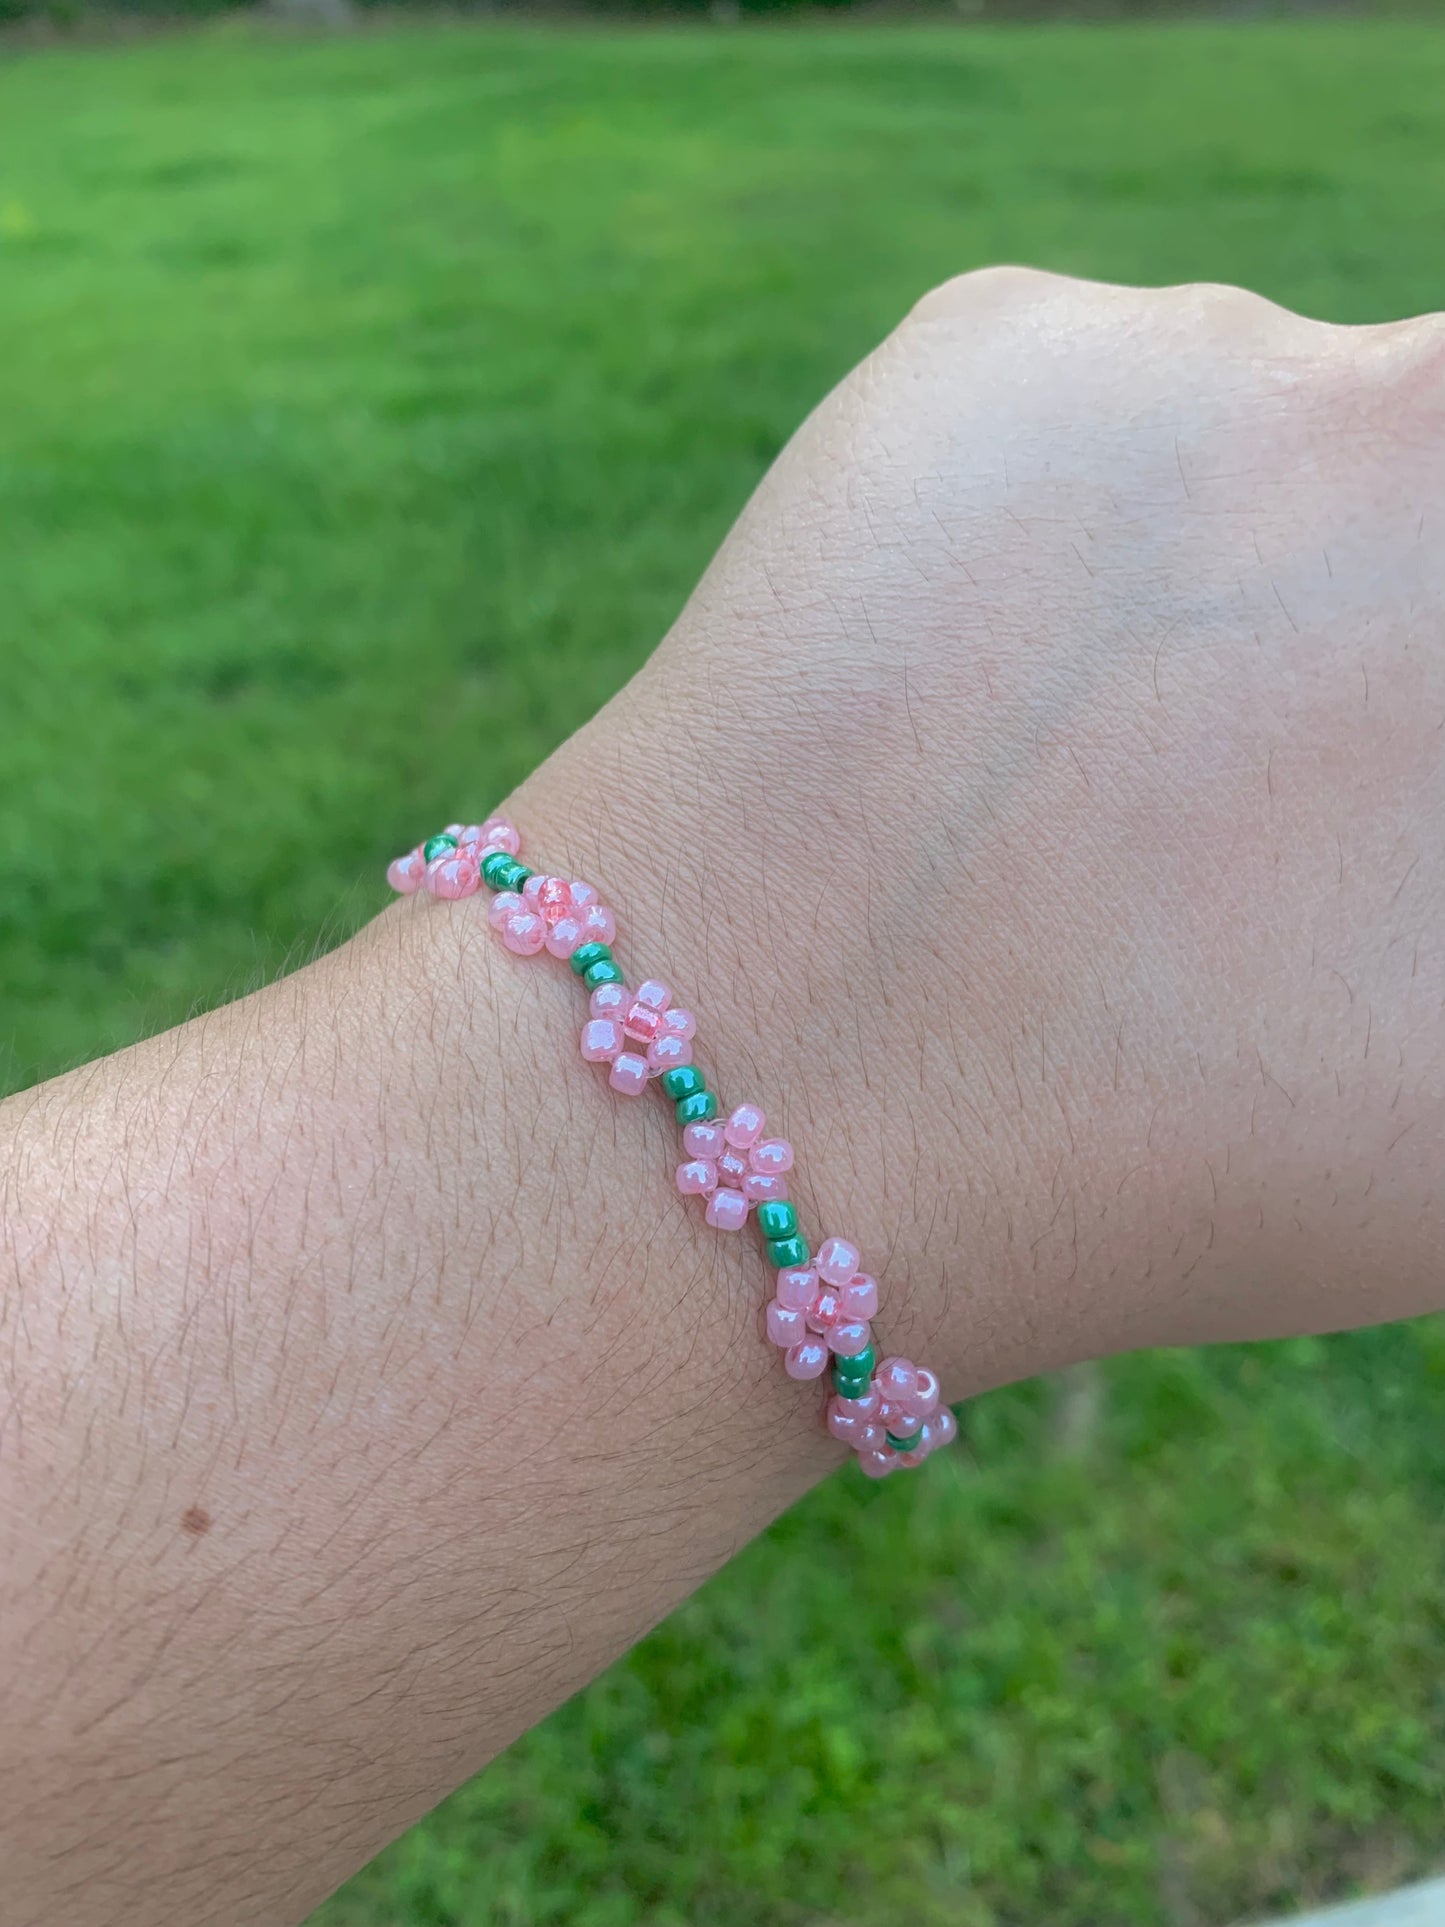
(804, 1011)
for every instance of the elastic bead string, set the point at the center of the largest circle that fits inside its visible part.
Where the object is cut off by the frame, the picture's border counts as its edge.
(823, 1304)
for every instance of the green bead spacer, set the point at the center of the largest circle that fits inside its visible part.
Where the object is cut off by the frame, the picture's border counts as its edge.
(438, 846)
(605, 972)
(857, 1370)
(777, 1218)
(685, 1080)
(501, 871)
(903, 1445)
(697, 1109)
(587, 954)
(784, 1252)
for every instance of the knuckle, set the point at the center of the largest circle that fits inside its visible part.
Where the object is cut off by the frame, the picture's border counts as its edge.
(1396, 374)
(984, 288)
(1220, 306)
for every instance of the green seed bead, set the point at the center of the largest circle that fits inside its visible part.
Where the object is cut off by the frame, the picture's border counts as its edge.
(685, 1080)
(777, 1218)
(503, 872)
(605, 972)
(697, 1109)
(438, 846)
(587, 954)
(783, 1252)
(857, 1370)
(903, 1445)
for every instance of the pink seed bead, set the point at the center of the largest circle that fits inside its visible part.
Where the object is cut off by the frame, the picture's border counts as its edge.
(599, 925)
(796, 1286)
(897, 1380)
(666, 1053)
(703, 1140)
(697, 1179)
(860, 1296)
(469, 837)
(855, 1431)
(807, 1359)
(869, 1407)
(943, 1428)
(850, 1336)
(785, 1326)
(608, 1000)
(771, 1156)
(453, 877)
(642, 1023)
(601, 1039)
(501, 907)
(732, 1168)
(446, 877)
(583, 894)
(564, 936)
(524, 933)
(877, 1465)
(844, 1425)
(654, 995)
(502, 835)
(764, 1190)
(744, 1127)
(532, 888)
(727, 1210)
(453, 830)
(554, 899)
(679, 1023)
(628, 1074)
(925, 1395)
(837, 1260)
(406, 873)
(825, 1310)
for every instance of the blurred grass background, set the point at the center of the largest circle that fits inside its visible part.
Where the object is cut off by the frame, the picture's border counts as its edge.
(369, 405)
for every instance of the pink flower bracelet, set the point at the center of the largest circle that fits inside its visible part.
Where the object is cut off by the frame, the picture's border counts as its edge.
(823, 1305)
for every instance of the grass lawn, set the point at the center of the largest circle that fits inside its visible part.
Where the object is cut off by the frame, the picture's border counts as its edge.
(367, 407)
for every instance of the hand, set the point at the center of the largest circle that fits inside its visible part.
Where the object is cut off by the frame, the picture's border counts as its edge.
(1046, 782)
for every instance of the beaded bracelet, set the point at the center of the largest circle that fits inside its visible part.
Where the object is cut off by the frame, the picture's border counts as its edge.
(823, 1306)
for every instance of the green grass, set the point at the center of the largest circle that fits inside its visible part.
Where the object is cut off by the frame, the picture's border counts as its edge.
(366, 410)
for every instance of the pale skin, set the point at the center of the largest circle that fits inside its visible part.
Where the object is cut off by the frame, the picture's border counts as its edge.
(1041, 801)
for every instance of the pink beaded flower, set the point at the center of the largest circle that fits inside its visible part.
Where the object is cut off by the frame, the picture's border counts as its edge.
(550, 914)
(449, 865)
(734, 1166)
(638, 1032)
(902, 1403)
(822, 1307)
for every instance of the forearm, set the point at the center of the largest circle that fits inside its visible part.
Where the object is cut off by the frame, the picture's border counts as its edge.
(369, 1389)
